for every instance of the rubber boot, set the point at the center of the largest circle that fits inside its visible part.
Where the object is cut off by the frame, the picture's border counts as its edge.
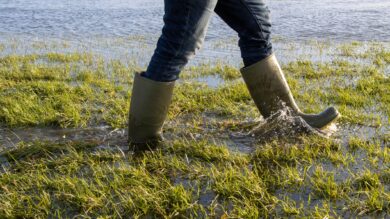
(149, 105)
(270, 92)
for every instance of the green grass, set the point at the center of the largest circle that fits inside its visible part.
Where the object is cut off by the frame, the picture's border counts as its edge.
(185, 177)
(197, 173)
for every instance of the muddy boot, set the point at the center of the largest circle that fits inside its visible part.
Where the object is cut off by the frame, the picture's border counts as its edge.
(270, 91)
(149, 105)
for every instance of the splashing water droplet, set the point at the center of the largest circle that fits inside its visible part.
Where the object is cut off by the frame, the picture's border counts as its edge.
(286, 123)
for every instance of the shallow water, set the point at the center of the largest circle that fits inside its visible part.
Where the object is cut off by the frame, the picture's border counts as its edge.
(283, 123)
(128, 30)
(304, 19)
(213, 81)
(103, 135)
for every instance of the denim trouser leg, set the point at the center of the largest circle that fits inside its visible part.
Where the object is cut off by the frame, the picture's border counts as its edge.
(251, 20)
(186, 22)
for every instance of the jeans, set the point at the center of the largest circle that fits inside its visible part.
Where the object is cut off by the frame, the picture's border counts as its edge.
(185, 26)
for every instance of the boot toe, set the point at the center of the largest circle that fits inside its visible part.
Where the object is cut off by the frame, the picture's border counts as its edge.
(323, 119)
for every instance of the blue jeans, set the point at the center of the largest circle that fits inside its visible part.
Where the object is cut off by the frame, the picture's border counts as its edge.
(185, 26)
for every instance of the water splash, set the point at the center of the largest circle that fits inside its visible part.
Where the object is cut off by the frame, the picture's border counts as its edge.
(287, 124)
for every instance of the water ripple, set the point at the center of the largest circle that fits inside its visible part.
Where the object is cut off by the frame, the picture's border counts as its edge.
(303, 19)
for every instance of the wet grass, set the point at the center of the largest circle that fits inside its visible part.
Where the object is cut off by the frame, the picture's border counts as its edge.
(192, 178)
(196, 174)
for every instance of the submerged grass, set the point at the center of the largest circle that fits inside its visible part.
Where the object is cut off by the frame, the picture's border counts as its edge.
(195, 175)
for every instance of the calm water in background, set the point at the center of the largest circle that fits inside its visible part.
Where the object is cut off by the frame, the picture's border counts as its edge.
(296, 19)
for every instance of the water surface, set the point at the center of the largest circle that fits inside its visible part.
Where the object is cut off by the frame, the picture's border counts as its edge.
(128, 30)
(297, 19)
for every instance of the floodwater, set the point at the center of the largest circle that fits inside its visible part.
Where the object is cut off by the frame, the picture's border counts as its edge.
(283, 123)
(129, 29)
(297, 19)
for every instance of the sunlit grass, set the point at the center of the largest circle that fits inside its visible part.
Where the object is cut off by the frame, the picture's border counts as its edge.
(195, 174)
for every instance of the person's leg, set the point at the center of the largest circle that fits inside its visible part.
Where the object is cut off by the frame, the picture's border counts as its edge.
(186, 22)
(251, 20)
(184, 30)
(262, 73)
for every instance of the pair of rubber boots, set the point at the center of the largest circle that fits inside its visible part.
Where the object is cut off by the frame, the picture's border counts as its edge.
(266, 83)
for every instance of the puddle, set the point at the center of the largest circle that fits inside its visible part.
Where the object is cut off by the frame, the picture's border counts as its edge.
(104, 134)
(283, 123)
(212, 81)
(362, 132)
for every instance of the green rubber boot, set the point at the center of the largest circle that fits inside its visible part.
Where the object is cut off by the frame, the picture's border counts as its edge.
(270, 92)
(149, 106)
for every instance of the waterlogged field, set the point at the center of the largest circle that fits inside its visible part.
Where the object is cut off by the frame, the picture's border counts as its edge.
(63, 114)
